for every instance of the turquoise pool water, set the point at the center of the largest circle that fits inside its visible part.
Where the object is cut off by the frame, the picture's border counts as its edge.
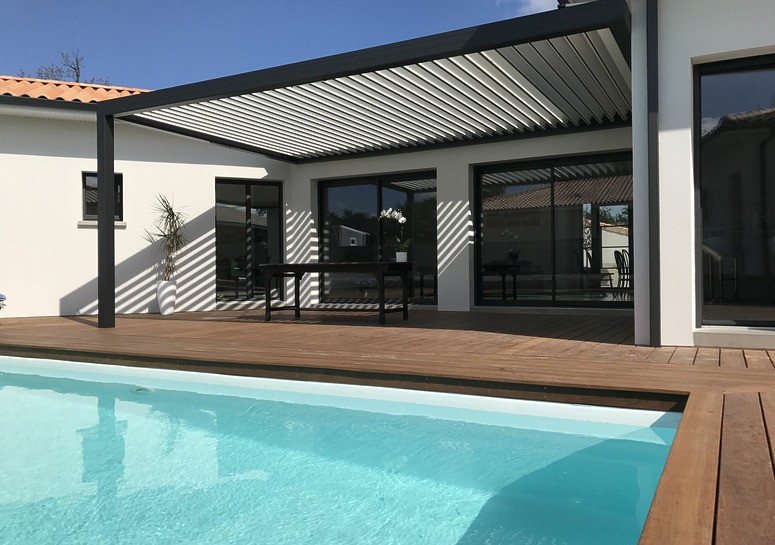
(98, 455)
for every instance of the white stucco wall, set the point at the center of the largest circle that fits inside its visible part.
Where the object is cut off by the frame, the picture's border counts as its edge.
(691, 32)
(48, 263)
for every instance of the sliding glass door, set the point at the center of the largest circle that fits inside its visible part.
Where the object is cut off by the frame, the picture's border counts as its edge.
(248, 233)
(352, 231)
(555, 233)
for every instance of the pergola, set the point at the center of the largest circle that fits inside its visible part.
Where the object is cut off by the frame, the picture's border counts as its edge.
(563, 70)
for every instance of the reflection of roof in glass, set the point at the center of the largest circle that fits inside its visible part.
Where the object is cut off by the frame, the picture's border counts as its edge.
(743, 120)
(235, 215)
(604, 190)
(617, 229)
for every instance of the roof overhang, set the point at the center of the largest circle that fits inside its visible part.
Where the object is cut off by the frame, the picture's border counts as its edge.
(566, 69)
(26, 102)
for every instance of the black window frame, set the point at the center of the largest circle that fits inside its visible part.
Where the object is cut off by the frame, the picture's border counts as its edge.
(247, 184)
(756, 62)
(118, 196)
(379, 181)
(529, 164)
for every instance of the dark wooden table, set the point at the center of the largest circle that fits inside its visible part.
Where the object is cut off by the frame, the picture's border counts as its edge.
(379, 269)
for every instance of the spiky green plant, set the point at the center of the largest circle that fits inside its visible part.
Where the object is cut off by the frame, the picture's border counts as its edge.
(168, 229)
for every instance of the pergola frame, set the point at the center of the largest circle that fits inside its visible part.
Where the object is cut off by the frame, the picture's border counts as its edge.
(603, 15)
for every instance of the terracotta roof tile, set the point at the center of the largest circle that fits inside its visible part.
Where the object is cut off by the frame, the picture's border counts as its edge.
(602, 190)
(62, 90)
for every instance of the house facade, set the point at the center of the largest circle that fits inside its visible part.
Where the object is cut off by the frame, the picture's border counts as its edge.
(591, 157)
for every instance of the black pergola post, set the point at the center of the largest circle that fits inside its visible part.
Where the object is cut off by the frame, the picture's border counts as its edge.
(652, 91)
(106, 241)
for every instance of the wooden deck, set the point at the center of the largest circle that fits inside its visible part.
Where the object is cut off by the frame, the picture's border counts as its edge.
(718, 487)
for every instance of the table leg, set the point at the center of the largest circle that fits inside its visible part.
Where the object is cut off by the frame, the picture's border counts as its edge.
(268, 296)
(297, 292)
(514, 285)
(381, 294)
(405, 297)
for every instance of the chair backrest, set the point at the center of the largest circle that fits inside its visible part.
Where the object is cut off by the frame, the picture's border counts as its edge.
(623, 267)
(619, 261)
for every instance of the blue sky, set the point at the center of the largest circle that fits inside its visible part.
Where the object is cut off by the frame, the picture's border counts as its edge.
(154, 44)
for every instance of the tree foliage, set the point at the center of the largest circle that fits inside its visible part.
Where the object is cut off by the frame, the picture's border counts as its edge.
(69, 68)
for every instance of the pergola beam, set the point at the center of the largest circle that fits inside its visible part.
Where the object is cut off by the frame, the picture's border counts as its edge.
(106, 239)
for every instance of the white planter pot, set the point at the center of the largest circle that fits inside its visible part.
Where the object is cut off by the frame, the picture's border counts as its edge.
(401, 257)
(166, 293)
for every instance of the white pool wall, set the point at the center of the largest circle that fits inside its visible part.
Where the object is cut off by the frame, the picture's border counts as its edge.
(550, 416)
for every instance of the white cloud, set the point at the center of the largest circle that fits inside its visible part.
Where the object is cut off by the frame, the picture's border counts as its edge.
(516, 8)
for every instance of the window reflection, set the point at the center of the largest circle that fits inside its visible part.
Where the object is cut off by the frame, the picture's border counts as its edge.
(352, 232)
(248, 233)
(737, 171)
(556, 234)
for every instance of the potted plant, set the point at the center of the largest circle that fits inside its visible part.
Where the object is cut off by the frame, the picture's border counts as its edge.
(402, 244)
(168, 230)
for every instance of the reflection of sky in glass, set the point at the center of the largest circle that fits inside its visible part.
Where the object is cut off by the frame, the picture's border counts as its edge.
(734, 93)
(358, 198)
(392, 198)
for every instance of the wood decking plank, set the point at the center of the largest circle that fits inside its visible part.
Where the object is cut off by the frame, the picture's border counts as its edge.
(768, 410)
(683, 355)
(746, 487)
(758, 359)
(710, 357)
(732, 358)
(683, 507)
(661, 354)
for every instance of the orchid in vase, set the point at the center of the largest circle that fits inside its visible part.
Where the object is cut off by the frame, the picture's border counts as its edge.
(402, 244)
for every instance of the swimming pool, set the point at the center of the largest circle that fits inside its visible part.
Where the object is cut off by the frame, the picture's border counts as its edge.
(99, 454)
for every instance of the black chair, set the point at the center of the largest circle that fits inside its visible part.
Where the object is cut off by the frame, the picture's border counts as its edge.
(623, 268)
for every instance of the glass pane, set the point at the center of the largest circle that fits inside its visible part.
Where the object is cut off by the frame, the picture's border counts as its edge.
(350, 233)
(90, 197)
(231, 229)
(266, 225)
(737, 182)
(516, 230)
(423, 250)
(243, 240)
(592, 230)
(392, 231)
(417, 200)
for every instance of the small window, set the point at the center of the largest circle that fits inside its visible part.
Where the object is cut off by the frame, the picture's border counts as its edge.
(90, 197)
